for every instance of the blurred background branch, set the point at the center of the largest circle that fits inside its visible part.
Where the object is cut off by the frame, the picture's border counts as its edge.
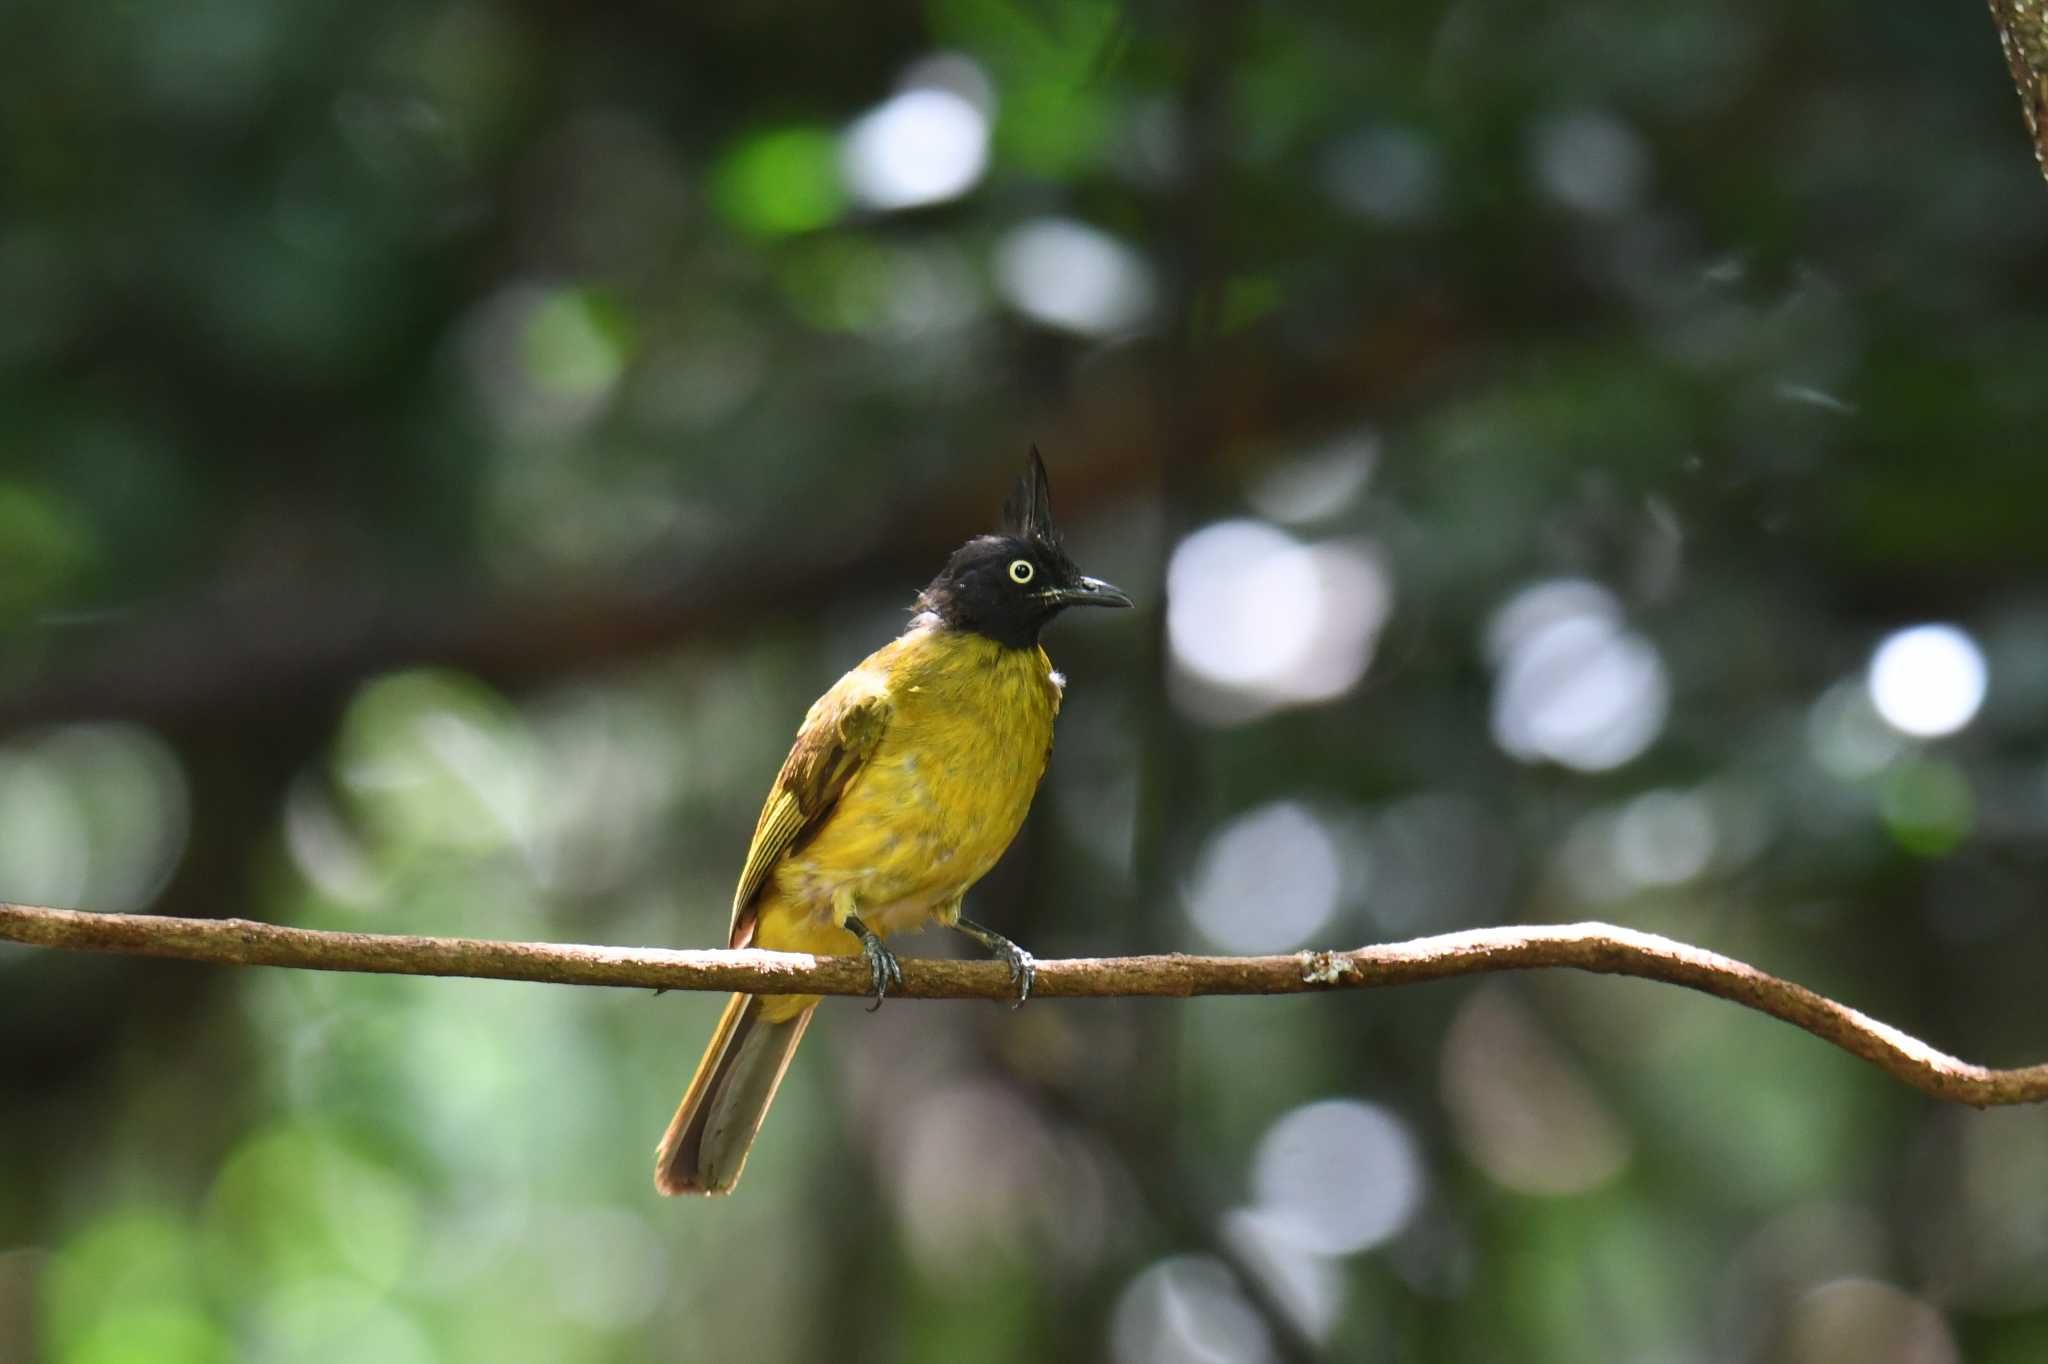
(1600, 948)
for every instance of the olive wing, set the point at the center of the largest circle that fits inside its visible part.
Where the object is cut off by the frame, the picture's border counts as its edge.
(841, 732)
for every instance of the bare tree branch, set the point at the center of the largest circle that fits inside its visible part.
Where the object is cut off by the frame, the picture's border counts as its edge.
(1596, 947)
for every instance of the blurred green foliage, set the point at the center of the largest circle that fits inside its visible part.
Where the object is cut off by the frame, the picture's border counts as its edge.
(445, 447)
(781, 183)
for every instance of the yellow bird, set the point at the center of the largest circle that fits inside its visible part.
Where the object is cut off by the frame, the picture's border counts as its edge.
(906, 782)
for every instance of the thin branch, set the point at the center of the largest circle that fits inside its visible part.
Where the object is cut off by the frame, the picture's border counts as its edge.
(1596, 947)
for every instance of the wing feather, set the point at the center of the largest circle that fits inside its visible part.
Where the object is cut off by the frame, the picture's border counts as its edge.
(839, 734)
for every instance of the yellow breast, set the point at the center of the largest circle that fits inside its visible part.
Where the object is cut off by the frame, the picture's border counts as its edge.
(938, 801)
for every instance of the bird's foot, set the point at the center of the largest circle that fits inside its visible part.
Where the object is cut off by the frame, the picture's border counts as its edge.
(1023, 966)
(883, 968)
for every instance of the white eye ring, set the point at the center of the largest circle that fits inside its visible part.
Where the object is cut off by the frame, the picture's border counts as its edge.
(1022, 571)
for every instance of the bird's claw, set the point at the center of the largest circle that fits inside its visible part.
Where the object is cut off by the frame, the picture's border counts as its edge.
(1023, 969)
(883, 968)
(1023, 966)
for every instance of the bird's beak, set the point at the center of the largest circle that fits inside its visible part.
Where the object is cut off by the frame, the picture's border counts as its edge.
(1087, 592)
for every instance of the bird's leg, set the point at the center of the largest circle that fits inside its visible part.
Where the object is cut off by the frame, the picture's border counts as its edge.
(1023, 967)
(882, 964)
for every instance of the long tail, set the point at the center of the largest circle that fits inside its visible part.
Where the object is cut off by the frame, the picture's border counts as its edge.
(707, 1141)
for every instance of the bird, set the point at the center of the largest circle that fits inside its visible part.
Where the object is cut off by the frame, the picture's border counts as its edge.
(907, 780)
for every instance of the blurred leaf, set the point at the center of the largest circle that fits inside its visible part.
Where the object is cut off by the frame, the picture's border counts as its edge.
(293, 1205)
(1052, 63)
(161, 1335)
(777, 184)
(123, 1282)
(44, 548)
(1928, 807)
(577, 342)
(436, 759)
(1246, 299)
(838, 284)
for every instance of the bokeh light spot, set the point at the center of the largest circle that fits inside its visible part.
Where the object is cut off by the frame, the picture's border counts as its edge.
(1663, 838)
(1318, 484)
(1267, 881)
(1074, 277)
(1574, 685)
(918, 147)
(1869, 1322)
(1251, 610)
(1337, 1176)
(1928, 681)
(325, 850)
(1523, 1111)
(433, 758)
(92, 815)
(1241, 603)
(1591, 162)
(1187, 1310)
(1846, 735)
(1387, 175)
(968, 1170)
(1307, 1286)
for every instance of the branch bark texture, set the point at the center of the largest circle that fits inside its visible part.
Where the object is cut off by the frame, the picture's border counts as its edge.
(1595, 947)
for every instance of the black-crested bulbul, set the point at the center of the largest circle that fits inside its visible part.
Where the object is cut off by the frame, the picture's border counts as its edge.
(907, 781)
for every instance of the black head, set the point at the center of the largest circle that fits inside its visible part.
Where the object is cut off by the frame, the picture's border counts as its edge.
(1008, 586)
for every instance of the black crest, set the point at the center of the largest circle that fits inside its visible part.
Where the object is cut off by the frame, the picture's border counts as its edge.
(1006, 587)
(1027, 511)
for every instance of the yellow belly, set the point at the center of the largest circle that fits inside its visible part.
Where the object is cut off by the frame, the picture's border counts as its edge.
(933, 807)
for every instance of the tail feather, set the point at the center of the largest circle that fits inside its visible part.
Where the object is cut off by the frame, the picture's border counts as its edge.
(707, 1141)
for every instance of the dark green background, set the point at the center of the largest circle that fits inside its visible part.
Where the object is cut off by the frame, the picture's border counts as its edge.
(445, 446)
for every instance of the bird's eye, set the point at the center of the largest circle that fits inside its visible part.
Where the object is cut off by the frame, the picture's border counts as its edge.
(1022, 570)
